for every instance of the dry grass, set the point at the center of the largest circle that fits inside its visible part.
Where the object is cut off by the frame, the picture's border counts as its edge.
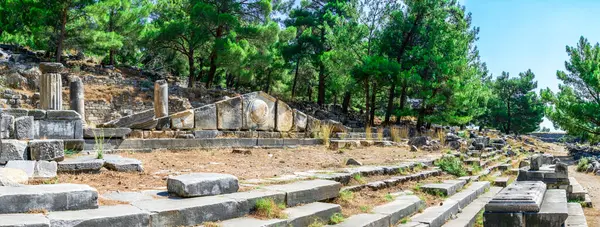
(442, 137)
(380, 133)
(38, 211)
(326, 133)
(369, 132)
(211, 224)
(110, 202)
(268, 209)
(108, 93)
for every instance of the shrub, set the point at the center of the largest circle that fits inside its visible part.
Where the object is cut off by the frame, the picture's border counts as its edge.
(583, 164)
(452, 165)
(267, 208)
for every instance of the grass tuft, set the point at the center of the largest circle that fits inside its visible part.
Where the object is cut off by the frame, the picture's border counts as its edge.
(326, 133)
(452, 165)
(336, 218)
(267, 208)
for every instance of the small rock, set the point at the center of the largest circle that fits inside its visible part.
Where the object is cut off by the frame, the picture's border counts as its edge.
(12, 177)
(120, 164)
(414, 148)
(241, 151)
(353, 162)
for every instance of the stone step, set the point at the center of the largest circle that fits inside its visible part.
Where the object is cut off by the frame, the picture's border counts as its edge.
(24, 220)
(468, 215)
(202, 184)
(501, 181)
(49, 197)
(436, 216)
(365, 220)
(575, 191)
(311, 213)
(116, 216)
(446, 188)
(386, 214)
(576, 216)
(553, 212)
(253, 222)
(303, 192)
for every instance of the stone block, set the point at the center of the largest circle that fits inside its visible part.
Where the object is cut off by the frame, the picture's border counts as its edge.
(205, 117)
(183, 120)
(51, 67)
(128, 121)
(501, 181)
(26, 165)
(190, 212)
(130, 197)
(13, 177)
(576, 216)
(82, 164)
(58, 129)
(436, 216)
(253, 222)
(45, 169)
(115, 216)
(146, 125)
(535, 162)
(313, 125)
(15, 112)
(7, 127)
(553, 212)
(62, 115)
(24, 128)
(303, 192)
(91, 133)
(366, 220)
(51, 197)
(247, 200)
(74, 144)
(206, 134)
(13, 150)
(521, 196)
(37, 114)
(503, 219)
(300, 121)
(308, 214)
(402, 206)
(470, 213)
(285, 117)
(24, 220)
(47, 150)
(259, 111)
(163, 123)
(202, 184)
(229, 114)
(447, 188)
(120, 164)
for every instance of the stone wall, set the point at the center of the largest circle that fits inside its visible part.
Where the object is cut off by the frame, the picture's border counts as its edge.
(26, 124)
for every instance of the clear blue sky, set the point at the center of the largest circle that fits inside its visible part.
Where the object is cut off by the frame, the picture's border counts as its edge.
(517, 35)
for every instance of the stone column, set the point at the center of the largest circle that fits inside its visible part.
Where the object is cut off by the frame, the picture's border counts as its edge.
(77, 100)
(161, 98)
(51, 86)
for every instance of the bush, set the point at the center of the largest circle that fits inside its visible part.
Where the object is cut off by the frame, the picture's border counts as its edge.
(583, 165)
(267, 208)
(452, 165)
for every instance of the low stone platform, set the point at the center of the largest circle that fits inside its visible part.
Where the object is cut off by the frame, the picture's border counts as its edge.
(49, 197)
(302, 192)
(446, 188)
(82, 164)
(24, 220)
(576, 216)
(468, 215)
(202, 184)
(308, 214)
(116, 216)
(501, 181)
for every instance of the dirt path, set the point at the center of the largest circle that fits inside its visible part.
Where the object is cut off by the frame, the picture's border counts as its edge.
(589, 181)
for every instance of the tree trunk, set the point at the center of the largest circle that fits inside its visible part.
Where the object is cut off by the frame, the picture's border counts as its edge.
(346, 102)
(373, 98)
(321, 91)
(390, 104)
(295, 78)
(61, 37)
(309, 91)
(213, 60)
(421, 117)
(191, 77)
(111, 57)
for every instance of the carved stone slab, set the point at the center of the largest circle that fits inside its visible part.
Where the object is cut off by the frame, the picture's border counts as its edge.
(259, 111)
(521, 196)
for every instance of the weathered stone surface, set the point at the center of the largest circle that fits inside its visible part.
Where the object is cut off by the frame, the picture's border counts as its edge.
(51, 91)
(447, 188)
(353, 162)
(47, 150)
(521, 196)
(313, 125)
(229, 114)
(117, 216)
(259, 111)
(553, 212)
(302, 192)
(13, 150)
(120, 164)
(418, 141)
(51, 67)
(15, 112)
(163, 123)
(27, 166)
(469, 214)
(501, 181)
(37, 114)
(436, 216)
(308, 214)
(190, 212)
(334, 125)
(205, 117)
(285, 117)
(91, 133)
(300, 121)
(247, 200)
(51, 197)
(402, 206)
(76, 96)
(130, 197)
(253, 222)
(503, 219)
(202, 184)
(206, 134)
(44, 169)
(576, 216)
(366, 220)
(7, 126)
(183, 120)
(161, 98)
(146, 125)
(82, 164)
(12, 177)
(60, 129)
(24, 128)
(24, 220)
(127, 121)
(535, 162)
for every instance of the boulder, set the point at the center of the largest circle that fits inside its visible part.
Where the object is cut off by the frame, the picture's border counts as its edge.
(353, 162)
(202, 184)
(455, 145)
(205, 117)
(24, 128)
(418, 141)
(47, 150)
(13, 150)
(535, 162)
(13, 177)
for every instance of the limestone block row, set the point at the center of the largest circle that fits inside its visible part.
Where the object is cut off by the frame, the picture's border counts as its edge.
(50, 197)
(40, 150)
(202, 184)
(25, 124)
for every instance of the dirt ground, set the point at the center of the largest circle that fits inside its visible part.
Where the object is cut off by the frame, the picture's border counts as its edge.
(261, 163)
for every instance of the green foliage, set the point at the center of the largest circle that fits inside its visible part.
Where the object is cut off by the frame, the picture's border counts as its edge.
(336, 218)
(267, 208)
(452, 165)
(583, 164)
(575, 107)
(359, 178)
(346, 196)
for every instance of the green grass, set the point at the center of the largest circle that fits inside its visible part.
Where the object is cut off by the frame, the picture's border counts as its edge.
(365, 209)
(359, 178)
(404, 220)
(402, 171)
(583, 164)
(479, 219)
(346, 196)
(267, 208)
(336, 218)
(69, 152)
(316, 223)
(452, 165)
(389, 197)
